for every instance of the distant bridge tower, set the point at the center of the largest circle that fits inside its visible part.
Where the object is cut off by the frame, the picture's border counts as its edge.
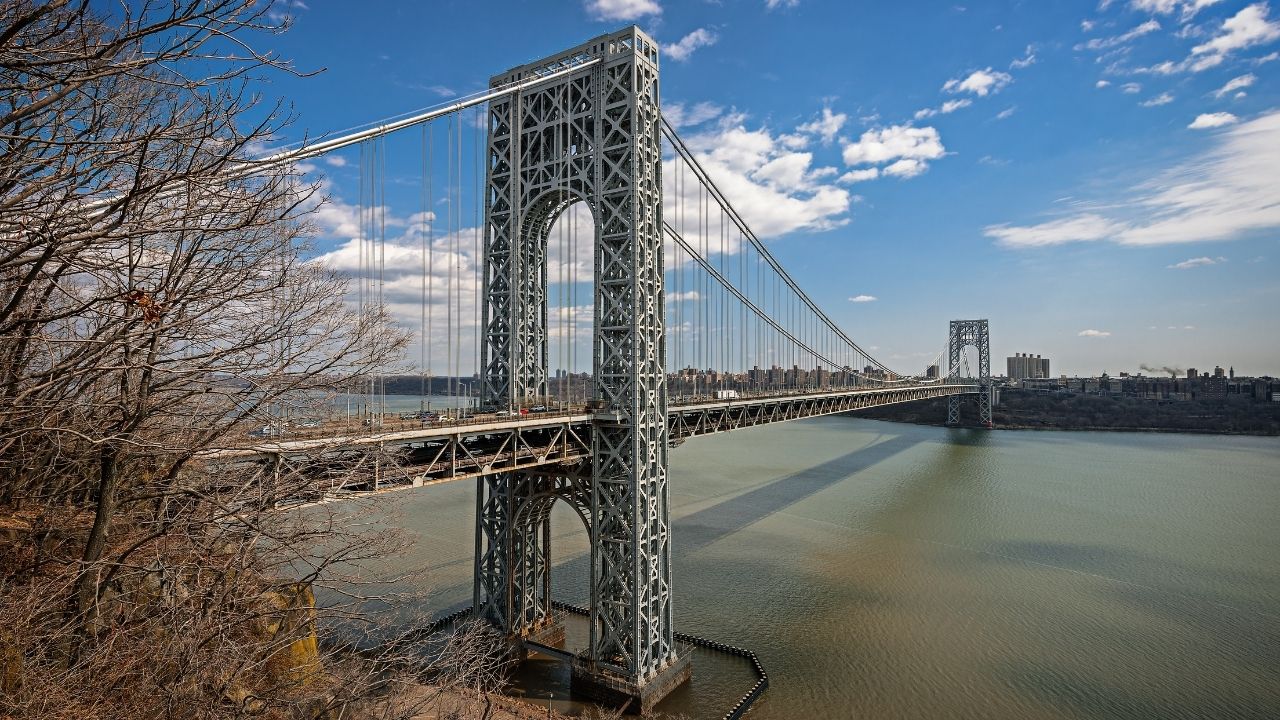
(591, 136)
(965, 333)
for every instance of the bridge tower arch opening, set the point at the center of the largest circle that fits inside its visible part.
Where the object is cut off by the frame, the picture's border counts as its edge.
(970, 333)
(593, 135)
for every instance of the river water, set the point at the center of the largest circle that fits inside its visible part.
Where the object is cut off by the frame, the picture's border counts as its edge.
(882, 570)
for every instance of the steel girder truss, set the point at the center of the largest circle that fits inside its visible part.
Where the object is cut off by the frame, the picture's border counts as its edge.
(593, 136)
(708, 418)
(964, 333)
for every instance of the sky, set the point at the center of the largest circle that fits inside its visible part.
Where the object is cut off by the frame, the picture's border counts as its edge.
(1099, 180)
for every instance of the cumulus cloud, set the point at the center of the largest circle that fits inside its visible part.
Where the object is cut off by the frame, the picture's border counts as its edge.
(1222, 193)
(979, 82)
(826, 126)
(904, 148)
(622, 9)
(1094, 333)
(1196, 262)
(905, 168)
(335, 161)
(684, 48)
(1102, 84)
(863, 298)
(1236, 83)
(854, 176)
(1212, 120)
(775, 187)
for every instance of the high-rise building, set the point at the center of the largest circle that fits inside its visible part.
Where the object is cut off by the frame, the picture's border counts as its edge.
(1219, 372)
(1191, 374)
(1024, 365)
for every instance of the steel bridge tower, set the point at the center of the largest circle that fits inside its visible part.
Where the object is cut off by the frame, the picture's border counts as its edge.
(590, 136)
(964, 333)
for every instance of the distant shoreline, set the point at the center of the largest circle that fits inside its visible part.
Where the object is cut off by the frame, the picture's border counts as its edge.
(1022, 410)
(1073, 428)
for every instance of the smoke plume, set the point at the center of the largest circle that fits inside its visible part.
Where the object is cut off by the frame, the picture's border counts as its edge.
(1173, 371)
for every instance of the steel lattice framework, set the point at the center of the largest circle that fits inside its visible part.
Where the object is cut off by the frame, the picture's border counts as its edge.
(964, 333)
(591, 136)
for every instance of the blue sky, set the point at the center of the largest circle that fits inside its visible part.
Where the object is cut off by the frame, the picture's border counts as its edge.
(1101, 181)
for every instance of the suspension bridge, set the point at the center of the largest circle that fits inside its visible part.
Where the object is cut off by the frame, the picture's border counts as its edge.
(610, 303)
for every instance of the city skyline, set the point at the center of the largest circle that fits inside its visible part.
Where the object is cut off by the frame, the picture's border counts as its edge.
(1094, 179)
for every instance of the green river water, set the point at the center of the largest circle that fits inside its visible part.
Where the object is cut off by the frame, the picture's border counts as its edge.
(882, 570)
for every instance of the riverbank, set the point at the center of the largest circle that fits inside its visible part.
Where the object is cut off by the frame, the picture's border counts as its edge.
(1025, 410)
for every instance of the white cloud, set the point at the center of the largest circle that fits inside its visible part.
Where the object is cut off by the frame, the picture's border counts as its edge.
(1026, 60)
(1087, 25)
(863, 298)
(1102, 84)
(855, 176)
(1269, 57)
(684, 48)
(1145, 28)
(1212, 120)
(1189, 8)
(825, 126)
(622, 9)
(680, 116)
(775, 4)
(906, 168)
(892, 143)
(1161, 99)
(1007, 113)
(1094, 333)
(1236, 83)
(335, 160)
(1222, 193)
(442, 91)
(946, 108)
(1195, 263)
(1081, 228)
(1245, 29)
(979, 82)
(1131, 88)
(775, 187)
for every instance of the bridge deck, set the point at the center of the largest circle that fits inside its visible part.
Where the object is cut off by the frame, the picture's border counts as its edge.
(460, 450)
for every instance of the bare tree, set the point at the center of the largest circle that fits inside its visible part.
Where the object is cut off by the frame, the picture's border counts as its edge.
(155, 301)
